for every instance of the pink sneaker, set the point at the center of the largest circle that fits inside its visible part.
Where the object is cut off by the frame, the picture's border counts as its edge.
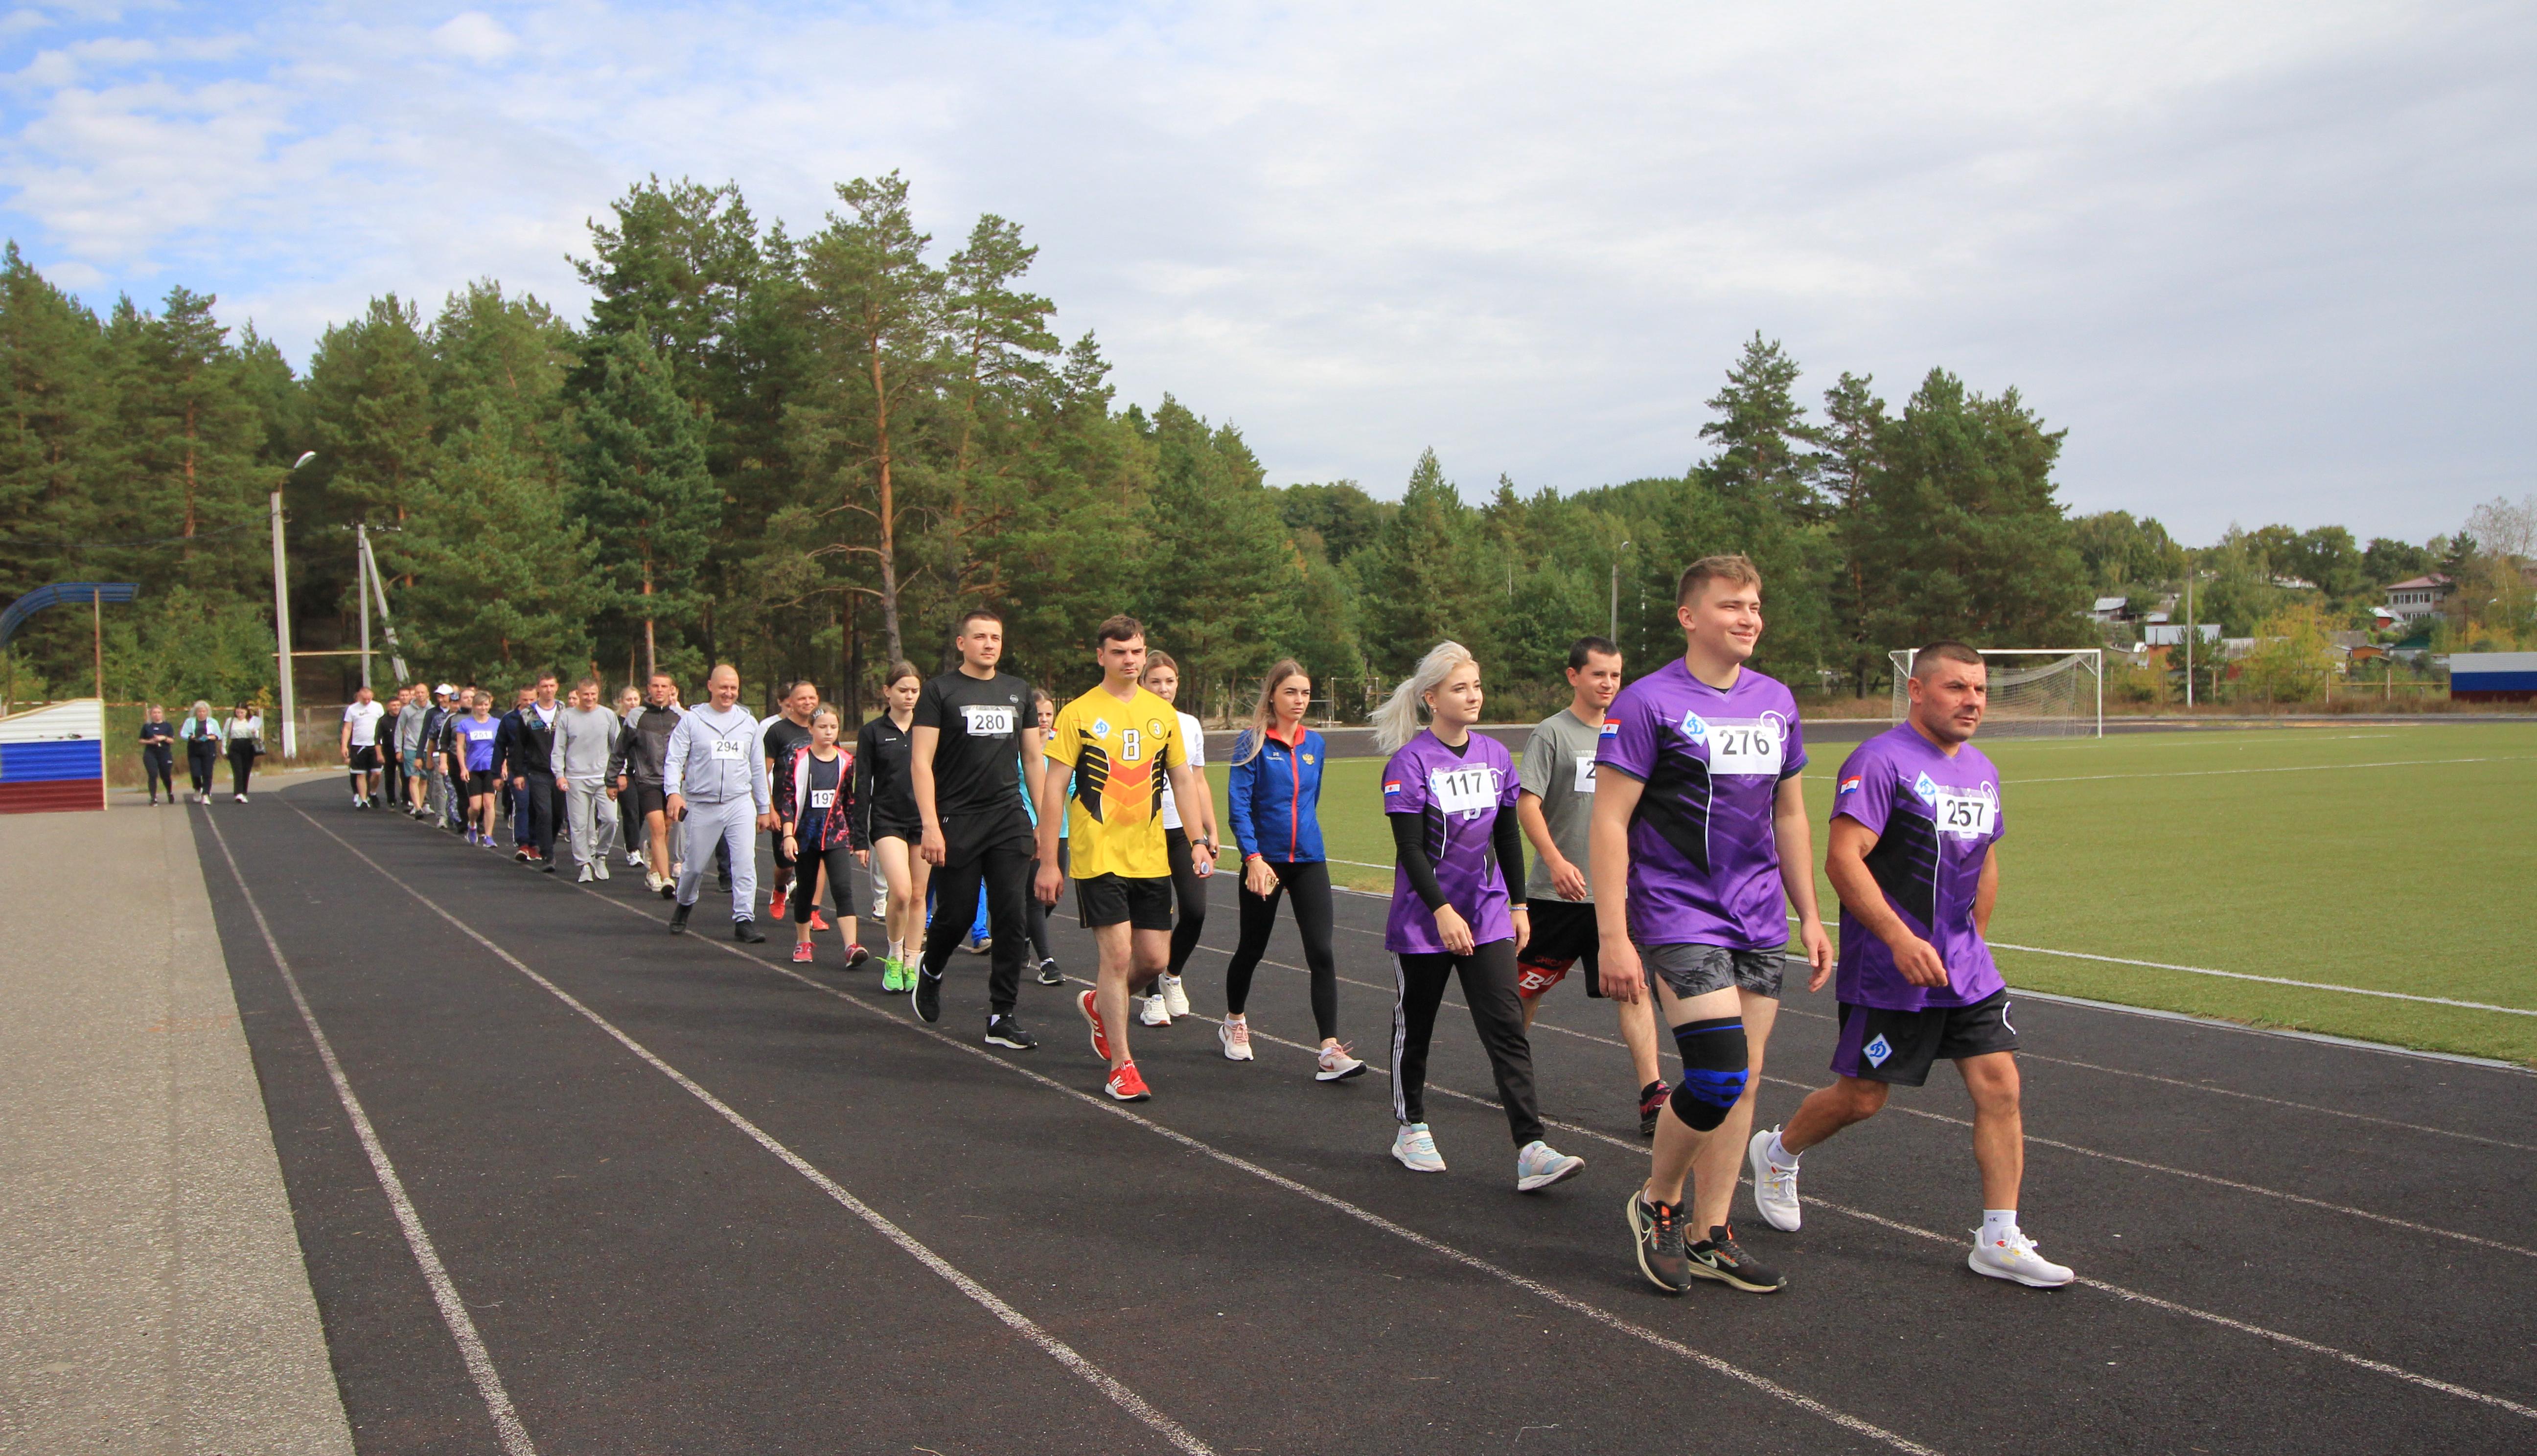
(801, 953)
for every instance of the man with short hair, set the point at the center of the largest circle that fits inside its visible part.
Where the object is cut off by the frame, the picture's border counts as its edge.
(585, 734)
(361, 745)
(640, 767)
(395, 742)
(716, 782)
(1916, 827)
(1121, 743)
(528, 762)
(787, 730)
(433, 798)
(1699, 846)
(972, 731)
(1556, 807)
(628, 838)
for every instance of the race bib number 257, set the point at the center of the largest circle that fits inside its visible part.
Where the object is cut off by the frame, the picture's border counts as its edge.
(1967, 815)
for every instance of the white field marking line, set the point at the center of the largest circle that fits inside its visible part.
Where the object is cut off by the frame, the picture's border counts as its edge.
(445, 1291)
(2181, 1173)
(1569, 1302)
(2303, 767)
(2259, 1098)
(1021, 1323)
(2224, 1321)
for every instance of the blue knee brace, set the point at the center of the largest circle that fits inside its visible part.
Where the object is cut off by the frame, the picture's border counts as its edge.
(1715, 1066)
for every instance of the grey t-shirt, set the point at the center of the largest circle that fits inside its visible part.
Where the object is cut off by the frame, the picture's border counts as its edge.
(1559, 769)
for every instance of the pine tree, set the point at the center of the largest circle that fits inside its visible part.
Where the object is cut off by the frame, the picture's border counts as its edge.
(1224, 582)
(1418, 575)
(1766, 448)
(642, 489)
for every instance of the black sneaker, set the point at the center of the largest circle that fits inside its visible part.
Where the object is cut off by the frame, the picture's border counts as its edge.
(925, 992)
(1658, 1228)
(1717, 1258)
(1005, 1031)
(1652, 1101)
(678, 919)
(746, 932)
(1049, 975)
(669, 889)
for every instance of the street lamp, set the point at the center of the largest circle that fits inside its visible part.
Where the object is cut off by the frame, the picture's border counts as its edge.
(1613, 631)
(282, 617)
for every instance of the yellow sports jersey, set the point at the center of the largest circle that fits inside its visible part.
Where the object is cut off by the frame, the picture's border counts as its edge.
(1119, 752)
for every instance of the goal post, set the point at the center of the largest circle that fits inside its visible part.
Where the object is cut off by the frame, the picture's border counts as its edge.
(2055, 692)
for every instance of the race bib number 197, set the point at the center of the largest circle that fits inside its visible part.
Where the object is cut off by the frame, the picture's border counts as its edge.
(821, 798)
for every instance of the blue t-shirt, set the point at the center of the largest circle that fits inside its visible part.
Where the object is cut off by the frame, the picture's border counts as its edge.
(475, 741)
(1936, 819)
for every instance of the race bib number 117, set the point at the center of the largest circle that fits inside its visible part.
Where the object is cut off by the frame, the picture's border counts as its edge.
(1463, 791)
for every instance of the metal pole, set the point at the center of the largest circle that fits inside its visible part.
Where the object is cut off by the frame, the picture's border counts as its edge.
(2191, 631)
(282, 636)
(361, 568)
(387, 619)
(97, 611)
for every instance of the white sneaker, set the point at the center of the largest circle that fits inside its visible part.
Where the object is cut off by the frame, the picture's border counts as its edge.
(1234, 1036)
(880, 907)
(1540, 1164)
(586, 876)
(600, 868)
(1416, 1149)
(1156, 1012)
(1775, 1184)
(2014, 1258)
(1175, 1001)
(633, 860)
(1336, 1065)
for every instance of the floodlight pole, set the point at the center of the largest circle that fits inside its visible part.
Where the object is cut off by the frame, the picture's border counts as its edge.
(361, 585)
(2191, 631)
(281, 618)
(1615, 630)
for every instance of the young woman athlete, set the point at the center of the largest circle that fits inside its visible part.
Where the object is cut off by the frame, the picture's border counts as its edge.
(1273, 796)
(159, 752)
(475, 735)
(1041, 958)
(1456, 904)
(1181, 838)
(817, 815)
(886, 800)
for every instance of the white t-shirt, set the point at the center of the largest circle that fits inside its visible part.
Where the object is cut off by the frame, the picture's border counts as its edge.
(1193, 738)
(365, 719)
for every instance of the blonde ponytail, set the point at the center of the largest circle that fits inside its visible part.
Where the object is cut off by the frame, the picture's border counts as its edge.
(1395, 723)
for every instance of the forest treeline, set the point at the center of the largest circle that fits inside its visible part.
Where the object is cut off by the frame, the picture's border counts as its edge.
(807, 454)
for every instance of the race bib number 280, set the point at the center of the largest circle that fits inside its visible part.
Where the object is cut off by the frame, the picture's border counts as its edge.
(986, 722)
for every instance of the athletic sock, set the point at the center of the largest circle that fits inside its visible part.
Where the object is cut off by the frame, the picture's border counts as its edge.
(1777, 1152)
(2000, 1225)
(898, 950)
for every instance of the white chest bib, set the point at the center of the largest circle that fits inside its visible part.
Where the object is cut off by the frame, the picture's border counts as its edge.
(1463, 791)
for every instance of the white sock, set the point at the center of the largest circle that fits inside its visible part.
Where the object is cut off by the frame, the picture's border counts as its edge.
(1236, 1018)
(1778, 1151)
(1169, 980)
(2000, 1225)
(898, 950)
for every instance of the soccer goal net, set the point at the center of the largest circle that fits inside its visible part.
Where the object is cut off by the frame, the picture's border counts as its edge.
(2035, 692)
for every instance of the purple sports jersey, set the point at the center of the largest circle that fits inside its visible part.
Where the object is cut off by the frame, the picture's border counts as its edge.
(1704, 856)
(1460, 796)
(1936, 819)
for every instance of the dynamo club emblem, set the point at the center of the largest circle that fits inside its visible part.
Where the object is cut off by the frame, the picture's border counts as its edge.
(1877, 1051)
(1927, 788)
(1692, 727)
(1100, 728)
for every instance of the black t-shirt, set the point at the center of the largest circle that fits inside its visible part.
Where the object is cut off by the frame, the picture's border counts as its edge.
(781, 736)
(883, 792)
(977, 761)
(158, 734)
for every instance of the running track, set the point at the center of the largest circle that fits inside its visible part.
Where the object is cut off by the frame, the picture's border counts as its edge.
(710, 1205)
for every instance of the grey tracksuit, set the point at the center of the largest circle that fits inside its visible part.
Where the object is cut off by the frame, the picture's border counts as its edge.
(713, 761)
(583, 740)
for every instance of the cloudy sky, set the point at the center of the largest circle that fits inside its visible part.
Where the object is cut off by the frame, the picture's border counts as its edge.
(2265, 261)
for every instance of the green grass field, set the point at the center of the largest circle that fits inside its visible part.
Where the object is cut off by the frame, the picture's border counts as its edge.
(2387, 858)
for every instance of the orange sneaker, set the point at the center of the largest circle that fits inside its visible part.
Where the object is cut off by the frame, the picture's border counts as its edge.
(1100, 1037)
(775, 905)
(1126, 1086)
(818, 922)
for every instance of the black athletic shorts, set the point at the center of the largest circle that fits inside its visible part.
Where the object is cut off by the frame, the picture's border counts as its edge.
(911, 831)
(1108, 899)
(1564, 936)
(1900, 1046)
(365, 758)
(641, 798)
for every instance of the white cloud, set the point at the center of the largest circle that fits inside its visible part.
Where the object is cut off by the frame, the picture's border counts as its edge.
(2265, 261)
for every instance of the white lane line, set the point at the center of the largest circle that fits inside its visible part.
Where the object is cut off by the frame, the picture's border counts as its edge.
(1013, 1319)
(1569, 1302)
(2084, 1151)
(2276, 1102)
(2302, 768)
(444, 1293)
(2362, 1362)
(2314, 986)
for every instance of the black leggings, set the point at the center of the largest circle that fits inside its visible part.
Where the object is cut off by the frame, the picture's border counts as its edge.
(200, 756)
(839, 861)
(1488, 984)
(1309, 881)
(159, 761)
(1188, 898)
(242, 766)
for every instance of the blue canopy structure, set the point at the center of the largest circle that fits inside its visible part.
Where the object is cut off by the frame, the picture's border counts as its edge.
(61, 594)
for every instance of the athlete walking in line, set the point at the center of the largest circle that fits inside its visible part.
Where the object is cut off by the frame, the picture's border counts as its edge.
(1555, 808)
(1456, 906)
(1042, 957)
(715, 783)
(1273, 796)
(585, 735)
(412, 721)
(1191, 870)
(1110, 755)
(431, 760)
(159, 752)
(817, 817)
(629, 702)
(359, 742)
(1914, 857)
(640, 767)
(528, 764)
(885, 803)
(778, 738)
(475, 735)
(973, 733)
(1700, 845)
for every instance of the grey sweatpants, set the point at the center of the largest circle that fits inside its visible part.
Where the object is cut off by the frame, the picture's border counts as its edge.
(590, 815)
(735, 823)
